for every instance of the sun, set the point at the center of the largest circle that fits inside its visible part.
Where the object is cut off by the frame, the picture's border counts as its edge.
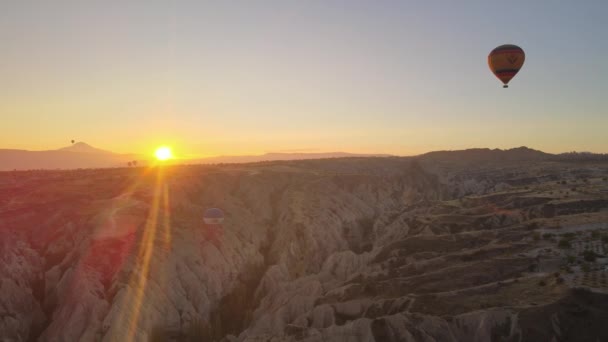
(163, 153)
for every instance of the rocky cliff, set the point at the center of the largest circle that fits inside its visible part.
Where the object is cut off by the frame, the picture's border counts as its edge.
(354, 249)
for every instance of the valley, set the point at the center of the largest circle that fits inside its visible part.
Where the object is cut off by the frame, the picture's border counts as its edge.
(444, 247)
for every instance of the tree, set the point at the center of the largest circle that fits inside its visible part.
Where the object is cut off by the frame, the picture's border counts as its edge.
(589, 256)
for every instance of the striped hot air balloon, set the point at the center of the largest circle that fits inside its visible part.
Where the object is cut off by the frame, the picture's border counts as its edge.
(213, 216)
(213, 219)
(505, 62)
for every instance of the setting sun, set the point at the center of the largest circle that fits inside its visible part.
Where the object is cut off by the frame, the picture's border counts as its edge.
(163, 153)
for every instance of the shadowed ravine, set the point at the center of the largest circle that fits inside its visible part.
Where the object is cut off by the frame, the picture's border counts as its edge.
(354, 249)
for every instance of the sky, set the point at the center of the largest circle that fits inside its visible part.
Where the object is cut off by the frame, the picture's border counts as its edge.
(248, 77)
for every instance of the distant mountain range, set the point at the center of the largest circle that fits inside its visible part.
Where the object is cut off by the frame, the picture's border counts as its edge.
(279, 156)
(514, 154)
(79, 155)
(82, 155)
(485, 154)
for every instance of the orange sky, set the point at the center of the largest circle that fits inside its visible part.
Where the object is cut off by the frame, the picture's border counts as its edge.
(219, 78)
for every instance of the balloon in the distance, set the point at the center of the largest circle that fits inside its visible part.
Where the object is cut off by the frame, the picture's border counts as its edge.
(505, 62)
(213, 216)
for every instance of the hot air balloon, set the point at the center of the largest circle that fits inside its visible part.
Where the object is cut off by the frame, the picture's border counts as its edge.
(213, 216)
(213, 219)
(505, 62)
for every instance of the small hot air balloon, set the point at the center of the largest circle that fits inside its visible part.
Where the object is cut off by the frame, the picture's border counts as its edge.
(213, 216)
(213, 219)
(505, 61)
(73, 141)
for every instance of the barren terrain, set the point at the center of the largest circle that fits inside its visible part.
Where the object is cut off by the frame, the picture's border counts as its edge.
(441, 247)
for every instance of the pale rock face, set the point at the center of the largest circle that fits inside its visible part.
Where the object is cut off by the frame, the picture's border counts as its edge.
(345, 250)
(20, 276)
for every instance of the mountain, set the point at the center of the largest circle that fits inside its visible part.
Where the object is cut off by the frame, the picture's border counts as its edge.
(82, 147)
(82, 155)
(79, 155)
(485, 154)
(279, 156)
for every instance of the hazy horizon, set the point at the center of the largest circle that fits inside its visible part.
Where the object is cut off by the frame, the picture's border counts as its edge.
(212, 79)
(305, 151)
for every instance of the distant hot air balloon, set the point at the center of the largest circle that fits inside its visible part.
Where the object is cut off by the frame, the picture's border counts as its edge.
(505, 61)
(73, 141)
(213, 219)
(213, 216)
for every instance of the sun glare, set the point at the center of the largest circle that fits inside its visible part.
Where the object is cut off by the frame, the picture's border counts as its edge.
(163, 153)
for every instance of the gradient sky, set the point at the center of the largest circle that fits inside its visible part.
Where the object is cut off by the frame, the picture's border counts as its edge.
(248, 77)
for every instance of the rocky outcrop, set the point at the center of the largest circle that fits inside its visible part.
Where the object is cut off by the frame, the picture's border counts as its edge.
(355, 249)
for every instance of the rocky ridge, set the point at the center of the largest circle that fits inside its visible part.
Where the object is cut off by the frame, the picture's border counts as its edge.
(354, 249)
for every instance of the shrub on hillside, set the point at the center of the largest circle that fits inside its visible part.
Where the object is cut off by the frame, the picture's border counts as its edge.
(589, 255)
(570, 259)
(564, 243)
(569, 236)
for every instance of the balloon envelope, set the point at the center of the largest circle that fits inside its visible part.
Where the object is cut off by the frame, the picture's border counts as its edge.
(213, 216)
(505, 62)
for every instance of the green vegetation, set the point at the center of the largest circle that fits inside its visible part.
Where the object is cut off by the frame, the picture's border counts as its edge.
(595, 235)
(532, 225)
(569, 236)
(586, 268)
(589, 255)
(570, 259)
(547, 236)
(605, 238)
(536, 236)
(564, 243)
